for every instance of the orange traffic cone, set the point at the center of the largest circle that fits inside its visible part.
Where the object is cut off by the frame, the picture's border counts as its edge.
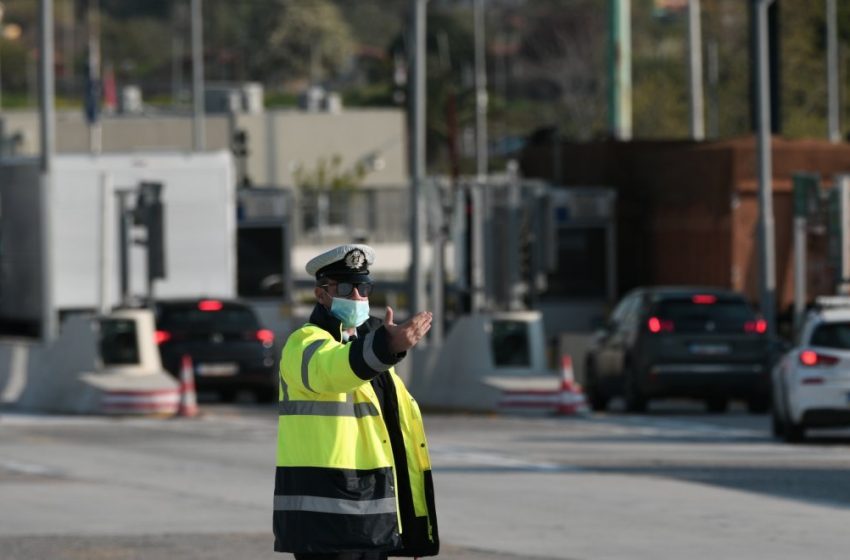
(570, 398)
(188, 406)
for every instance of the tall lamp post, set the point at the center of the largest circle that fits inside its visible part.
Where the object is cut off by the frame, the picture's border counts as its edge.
(1, 55)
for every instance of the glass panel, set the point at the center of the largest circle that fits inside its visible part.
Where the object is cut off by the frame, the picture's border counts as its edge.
(118, 342)
(188, 318)
(509, 340)
(724, 315)
(260, 261)
(832, 335)
(581, 264)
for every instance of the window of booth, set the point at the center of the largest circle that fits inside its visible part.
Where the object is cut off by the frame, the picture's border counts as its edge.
(118, 342)
(510, 345)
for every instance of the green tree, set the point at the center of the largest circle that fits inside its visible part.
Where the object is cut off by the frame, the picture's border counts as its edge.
(292, 39)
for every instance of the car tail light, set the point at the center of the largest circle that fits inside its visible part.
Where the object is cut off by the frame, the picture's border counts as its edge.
(210, 305)
(759, 326)
(657, 325)
(811, 358)
(162, 336)
(265, 336)
(704, 299)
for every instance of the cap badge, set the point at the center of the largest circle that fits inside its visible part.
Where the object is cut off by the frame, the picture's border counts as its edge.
(355, 259)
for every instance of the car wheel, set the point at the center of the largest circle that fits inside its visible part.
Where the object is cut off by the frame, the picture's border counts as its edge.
(793, 433)
(777, 424)
(266, 395)
(717, 404)
(635, 400)
(597, 399)
(227, 395)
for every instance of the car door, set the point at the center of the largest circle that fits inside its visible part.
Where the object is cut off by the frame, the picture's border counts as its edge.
(612, 339)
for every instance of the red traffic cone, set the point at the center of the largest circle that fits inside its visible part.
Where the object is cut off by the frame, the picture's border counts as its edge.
(570, 398)
(188, 406)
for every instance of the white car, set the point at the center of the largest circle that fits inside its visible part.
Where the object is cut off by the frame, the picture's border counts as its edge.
(811, 382)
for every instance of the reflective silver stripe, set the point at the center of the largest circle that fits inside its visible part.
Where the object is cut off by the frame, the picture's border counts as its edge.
(305, 363)
(326, 408)
(333, 505)
(369, 355)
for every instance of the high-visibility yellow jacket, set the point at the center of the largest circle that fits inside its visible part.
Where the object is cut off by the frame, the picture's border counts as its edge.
(337, 478)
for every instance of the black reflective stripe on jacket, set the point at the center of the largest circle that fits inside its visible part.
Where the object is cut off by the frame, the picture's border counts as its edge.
(334, 510)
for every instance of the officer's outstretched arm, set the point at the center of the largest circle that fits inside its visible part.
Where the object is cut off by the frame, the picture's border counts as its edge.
(327, 366)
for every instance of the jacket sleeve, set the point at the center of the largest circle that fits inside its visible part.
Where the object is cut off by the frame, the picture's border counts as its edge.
(315, 363)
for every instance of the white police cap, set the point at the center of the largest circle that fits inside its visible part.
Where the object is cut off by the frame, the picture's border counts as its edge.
(345, 260)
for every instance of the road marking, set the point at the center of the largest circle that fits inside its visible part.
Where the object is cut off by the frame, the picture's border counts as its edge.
(452, 456)
(10, 465)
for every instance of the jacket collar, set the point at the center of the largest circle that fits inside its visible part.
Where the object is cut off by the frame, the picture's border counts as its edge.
(323, 319)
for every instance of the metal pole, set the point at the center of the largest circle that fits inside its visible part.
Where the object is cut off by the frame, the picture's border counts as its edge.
(695, 70)
(767, 266)
(198, 134)
(2, 9)
(418, 101)
(480, 92)
(123, 240)
(713, 86)
(799, 270)
(620, 67)
(438, 244)
(832, 70)
(95, 130)
(105, 260)
(47, 122)
(478, 299)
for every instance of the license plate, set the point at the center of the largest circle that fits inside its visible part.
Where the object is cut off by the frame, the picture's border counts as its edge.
(710, 349)
(220, 370)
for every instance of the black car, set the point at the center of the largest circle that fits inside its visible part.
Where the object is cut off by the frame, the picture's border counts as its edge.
(701, 343)
(230, 349)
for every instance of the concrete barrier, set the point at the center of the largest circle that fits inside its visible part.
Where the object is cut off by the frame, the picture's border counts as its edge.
(483, 357)
(69, 375)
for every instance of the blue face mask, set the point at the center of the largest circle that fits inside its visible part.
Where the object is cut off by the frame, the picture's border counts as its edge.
(352, 313)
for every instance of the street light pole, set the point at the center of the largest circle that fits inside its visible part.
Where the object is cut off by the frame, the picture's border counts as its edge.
(480, 92)
(198, 132)
(2, 9)
(695, 70)
(832, 71)
(418, 100)
(767, 267)
(47, 115)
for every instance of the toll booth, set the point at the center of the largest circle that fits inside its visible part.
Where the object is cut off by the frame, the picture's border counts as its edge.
(264, 241)
(98, 365)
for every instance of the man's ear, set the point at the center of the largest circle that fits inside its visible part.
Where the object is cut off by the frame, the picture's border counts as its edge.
(320, 294)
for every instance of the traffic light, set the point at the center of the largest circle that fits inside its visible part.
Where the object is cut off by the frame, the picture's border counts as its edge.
(149, 213)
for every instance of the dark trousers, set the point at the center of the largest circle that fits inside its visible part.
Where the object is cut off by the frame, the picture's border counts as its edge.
(344, 556)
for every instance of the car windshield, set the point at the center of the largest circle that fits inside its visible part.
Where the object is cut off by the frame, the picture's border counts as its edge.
(722, 315)
(230, 318)
(832, 335)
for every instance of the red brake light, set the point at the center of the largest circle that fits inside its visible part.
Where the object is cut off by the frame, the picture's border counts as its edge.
(657, 325)
(704, 299)
(811, 358)
(209, 305)
(265, 336)
(759, 326)
(162, 336)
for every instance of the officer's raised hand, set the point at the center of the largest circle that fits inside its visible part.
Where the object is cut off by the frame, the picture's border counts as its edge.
(403, 337)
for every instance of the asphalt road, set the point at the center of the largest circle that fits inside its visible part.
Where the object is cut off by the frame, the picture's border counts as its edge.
(675, 483)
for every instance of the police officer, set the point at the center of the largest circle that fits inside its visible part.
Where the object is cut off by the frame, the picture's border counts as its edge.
(353, 478)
